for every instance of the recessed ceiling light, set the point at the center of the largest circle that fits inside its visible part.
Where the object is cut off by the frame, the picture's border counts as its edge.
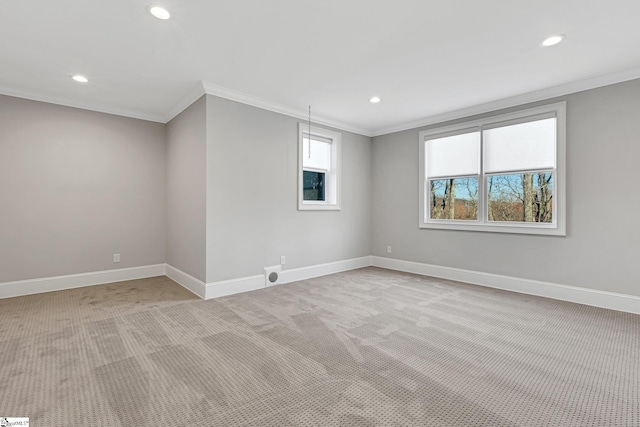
(552, 40)
(80, 79)
(374, 99)
(160, 12)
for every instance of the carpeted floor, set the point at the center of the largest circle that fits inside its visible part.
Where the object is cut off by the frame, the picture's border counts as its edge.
(360, 348)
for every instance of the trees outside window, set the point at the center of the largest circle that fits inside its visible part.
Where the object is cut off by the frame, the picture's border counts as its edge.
(503, 173)
(526, 197)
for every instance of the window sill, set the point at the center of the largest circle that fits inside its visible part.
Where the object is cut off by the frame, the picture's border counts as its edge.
(318, 207)
(542, 230)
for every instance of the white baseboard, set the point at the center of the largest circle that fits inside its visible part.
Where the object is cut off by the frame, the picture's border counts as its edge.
(197, 286)
(234, 286)
(70, 281)
(187, 281)
(304, 273)
(596, 298)
(251, 283)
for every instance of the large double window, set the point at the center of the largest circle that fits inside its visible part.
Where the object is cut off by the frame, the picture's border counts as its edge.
(503, 173)
(318, 168)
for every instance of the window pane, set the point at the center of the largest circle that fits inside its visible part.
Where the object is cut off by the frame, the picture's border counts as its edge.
(454, 198)
(317, 155)
(524, 197)
(525, 146)
(313, 186)
(453, 155)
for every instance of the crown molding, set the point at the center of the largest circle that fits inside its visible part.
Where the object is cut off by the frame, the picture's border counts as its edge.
(539, 95)
(208, 88)
(185, 102)
(97, 107)
(244, 98)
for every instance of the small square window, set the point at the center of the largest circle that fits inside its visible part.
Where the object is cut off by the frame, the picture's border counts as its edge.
(318, 168)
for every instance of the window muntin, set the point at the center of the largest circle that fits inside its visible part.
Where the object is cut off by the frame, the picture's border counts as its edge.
(520, 173)
(318, 168)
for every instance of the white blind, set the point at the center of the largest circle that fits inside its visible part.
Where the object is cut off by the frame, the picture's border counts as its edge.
(523, 146)
(316, 154)
(453, 155)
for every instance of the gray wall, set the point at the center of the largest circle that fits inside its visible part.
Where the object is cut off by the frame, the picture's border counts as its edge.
(76, 187)
(186, 195)
(600, 250)
(217, 188)
(252, 215)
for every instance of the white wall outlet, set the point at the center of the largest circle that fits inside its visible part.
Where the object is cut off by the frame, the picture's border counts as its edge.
(389, 249)
(116, 257)
(283, 260)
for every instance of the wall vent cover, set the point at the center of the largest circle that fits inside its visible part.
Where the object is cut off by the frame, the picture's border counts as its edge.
(272, 275)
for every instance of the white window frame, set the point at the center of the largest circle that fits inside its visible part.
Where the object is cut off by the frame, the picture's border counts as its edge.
(556, 228)
(332, 176)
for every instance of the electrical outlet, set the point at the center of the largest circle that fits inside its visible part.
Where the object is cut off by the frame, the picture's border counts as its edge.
(388, 249)
(116, 257)
(283, 260)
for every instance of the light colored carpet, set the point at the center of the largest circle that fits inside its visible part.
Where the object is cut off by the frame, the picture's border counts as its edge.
(360, 348)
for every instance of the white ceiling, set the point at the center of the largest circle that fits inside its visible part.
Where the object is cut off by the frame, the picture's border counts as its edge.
(426, 59)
